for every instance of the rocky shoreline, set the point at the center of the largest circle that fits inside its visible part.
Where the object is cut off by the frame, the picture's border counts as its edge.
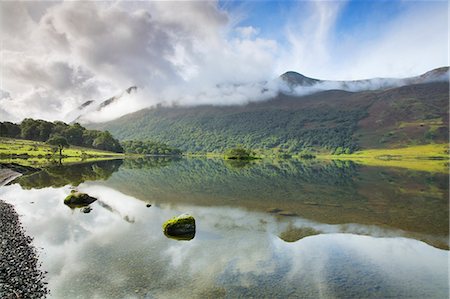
(20, 276)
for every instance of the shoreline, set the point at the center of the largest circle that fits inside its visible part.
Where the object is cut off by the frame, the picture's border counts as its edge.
(20, 273)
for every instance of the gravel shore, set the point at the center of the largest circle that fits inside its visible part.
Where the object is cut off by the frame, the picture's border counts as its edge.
(20, 276)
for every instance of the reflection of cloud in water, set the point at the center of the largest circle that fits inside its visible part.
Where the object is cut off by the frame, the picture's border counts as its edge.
(399, 267)
(235, 253)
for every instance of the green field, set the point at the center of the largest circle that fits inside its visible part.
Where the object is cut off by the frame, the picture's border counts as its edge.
(429, 157)
(35, 153)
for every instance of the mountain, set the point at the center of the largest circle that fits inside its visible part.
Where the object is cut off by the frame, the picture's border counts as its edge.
(295, 79)
(335, 120)
(89, 108)
(297, 84)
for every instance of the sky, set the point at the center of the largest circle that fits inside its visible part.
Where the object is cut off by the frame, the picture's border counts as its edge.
(57, 55)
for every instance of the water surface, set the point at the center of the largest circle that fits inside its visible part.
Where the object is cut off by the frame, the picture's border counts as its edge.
(271, 229)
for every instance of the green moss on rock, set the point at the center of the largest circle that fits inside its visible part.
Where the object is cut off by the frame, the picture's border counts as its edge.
(181, 227)
(77, 199)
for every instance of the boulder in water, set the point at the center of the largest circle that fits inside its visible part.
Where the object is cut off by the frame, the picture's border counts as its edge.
(181, 227)
(77, 199)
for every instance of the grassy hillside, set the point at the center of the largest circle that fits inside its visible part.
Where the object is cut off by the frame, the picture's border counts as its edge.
(334, 121)
(35, 153)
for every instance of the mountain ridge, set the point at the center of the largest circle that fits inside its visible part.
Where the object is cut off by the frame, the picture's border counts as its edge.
(90, 106)
(331, 120)
(295, 80)
(289, 83)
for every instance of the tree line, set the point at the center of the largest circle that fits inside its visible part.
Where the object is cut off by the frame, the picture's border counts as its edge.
(148, 147)
(75, 134)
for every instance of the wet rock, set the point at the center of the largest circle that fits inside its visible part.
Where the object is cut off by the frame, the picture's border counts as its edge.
(181, 227)
(281, 212)
(274, 210)
(287, 213)
(86, 210)
(77, 199)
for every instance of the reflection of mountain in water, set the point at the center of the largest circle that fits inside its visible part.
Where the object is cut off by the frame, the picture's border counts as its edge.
(59, 176)
(333, 192)
(150, 162)
(329, 193)
(205, 181)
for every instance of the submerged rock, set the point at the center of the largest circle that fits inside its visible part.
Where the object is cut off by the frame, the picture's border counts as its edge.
(293, 234)
(86, 210)
(180, 228)
(77, 199)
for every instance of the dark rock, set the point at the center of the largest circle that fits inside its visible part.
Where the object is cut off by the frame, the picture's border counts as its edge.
(287, 213)
(180, 228)
(77, 199)
(86, 210)
(148, 205)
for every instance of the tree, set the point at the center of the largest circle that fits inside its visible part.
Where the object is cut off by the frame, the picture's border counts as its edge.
(74, 134)
(58, 141)
(105, 141)
(9, 129)
(239, 154)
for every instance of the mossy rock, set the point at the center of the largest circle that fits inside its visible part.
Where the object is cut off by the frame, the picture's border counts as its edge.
(77, 199)
(181, 227)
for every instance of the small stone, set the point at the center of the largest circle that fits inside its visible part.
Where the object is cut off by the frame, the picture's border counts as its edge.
(86, 210)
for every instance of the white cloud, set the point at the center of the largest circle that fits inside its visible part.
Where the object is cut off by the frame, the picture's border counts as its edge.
(247, 31)
(74, 52)
(413, 42)
(308, 33)
(58, 55)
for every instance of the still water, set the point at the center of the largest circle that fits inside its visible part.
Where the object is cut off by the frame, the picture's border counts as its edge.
(270, 229)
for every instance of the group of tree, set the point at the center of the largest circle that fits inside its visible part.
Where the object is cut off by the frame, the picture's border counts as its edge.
(239, 153)
(148, 147)
(215, 129)
(60, 134)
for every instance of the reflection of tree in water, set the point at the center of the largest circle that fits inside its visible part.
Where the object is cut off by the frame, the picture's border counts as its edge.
(293, 234)
(58, 176)
(238, 163)
(262, 180)
(149, 162)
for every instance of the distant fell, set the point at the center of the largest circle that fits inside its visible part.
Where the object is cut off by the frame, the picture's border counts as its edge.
(414, 113)
(91, 107)
(296, 79)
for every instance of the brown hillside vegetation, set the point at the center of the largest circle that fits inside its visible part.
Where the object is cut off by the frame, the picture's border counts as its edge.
(409, 115)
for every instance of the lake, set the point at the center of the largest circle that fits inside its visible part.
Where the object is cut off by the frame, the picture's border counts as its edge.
(265, 229)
